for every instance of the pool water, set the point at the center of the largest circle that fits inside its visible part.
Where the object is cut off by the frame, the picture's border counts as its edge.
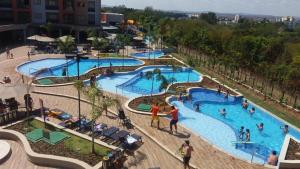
(271, 138)
(54, 67)
(148, 55)
(143, 86)
(131, 84)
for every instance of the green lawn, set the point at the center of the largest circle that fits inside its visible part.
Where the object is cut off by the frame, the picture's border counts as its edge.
(74, 143)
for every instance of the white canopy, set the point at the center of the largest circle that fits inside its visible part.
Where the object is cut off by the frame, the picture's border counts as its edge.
(138, 38)
(64, 38)
(94, 38)
(41, 38)
(111, 36)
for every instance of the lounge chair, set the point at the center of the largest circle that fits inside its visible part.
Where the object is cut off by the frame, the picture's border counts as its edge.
(118, 135)
(64, 116)
(109, 131)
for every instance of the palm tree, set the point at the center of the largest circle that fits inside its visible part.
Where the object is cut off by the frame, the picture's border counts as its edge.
(66, 44)
(175, 69)
(78, 84)
(98, 102)
(99, 44)
(48, 27)
(151, 75)
(164, 83)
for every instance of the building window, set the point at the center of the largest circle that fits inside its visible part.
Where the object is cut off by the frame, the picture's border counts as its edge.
(37, 2)
(52, 17)
(52, 4)
(81, 4)
(5, 4)
(68, 5)
(91, 6)
(91, 19)
(23, 3)
(6, 17)
(37, 16)
(69, 18)
(24, 17)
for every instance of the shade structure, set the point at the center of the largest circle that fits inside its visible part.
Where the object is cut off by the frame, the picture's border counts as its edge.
(41, 38)
(111, 36)
(64, 38)
(140, 38)
(94, 38)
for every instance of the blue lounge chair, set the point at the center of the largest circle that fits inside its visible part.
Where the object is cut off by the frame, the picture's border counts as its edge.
(109, 131)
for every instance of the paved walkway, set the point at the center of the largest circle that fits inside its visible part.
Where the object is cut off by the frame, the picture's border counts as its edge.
(18, 159)
(205, 156)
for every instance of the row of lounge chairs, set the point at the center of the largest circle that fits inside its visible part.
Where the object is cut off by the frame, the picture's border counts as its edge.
(111, 135)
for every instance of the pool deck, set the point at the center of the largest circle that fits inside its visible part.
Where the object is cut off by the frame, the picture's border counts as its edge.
(150, 154)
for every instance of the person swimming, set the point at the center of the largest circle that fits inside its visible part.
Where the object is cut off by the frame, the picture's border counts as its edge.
(223, 112)
(241, 133)
(247, 135)
(285, 129)
(197, 107)
(260, 127)
(227, 94)
(245, 104)
(252, 111)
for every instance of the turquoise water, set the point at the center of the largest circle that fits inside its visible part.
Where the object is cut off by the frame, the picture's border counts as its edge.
(143, 86)
(54, 67)
(131, 84)
(146, 55)
(271, 138)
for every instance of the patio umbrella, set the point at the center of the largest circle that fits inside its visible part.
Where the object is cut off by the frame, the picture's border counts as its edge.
(41, 38)
(94, 38)
(64, 38)
(140, 38)
(111, 37)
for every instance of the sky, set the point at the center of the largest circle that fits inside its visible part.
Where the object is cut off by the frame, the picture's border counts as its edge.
(267, 7)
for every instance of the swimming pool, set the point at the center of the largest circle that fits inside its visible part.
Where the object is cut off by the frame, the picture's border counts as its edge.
(55, 66)
(148, 55)
(131, 84)
(220, 131)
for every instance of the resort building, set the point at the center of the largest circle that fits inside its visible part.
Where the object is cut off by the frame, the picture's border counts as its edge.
(112, 18)
(65, 15)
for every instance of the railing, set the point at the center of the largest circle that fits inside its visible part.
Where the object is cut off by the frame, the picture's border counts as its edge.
(256, 150)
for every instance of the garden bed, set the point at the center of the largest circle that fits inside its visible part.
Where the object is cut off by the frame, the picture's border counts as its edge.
(293, 152)
(177, 87)
(73, 147)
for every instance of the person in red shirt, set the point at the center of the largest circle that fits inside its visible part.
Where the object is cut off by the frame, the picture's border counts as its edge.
(173, 122)
(154, 111)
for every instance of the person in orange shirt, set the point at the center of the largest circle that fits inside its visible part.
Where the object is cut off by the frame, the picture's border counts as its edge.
(154, 110)
(173, 122)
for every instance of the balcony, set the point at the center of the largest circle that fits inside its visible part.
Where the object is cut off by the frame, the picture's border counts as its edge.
(23, 4)
(5, 4)
(48, 7)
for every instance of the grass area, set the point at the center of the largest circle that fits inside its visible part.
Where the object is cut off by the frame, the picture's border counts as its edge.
(272, 107)
(73, 143)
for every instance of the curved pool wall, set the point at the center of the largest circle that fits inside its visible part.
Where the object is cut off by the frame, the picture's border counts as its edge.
(53, 67)
(220, 131)
(146, 55)
(131, 84)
